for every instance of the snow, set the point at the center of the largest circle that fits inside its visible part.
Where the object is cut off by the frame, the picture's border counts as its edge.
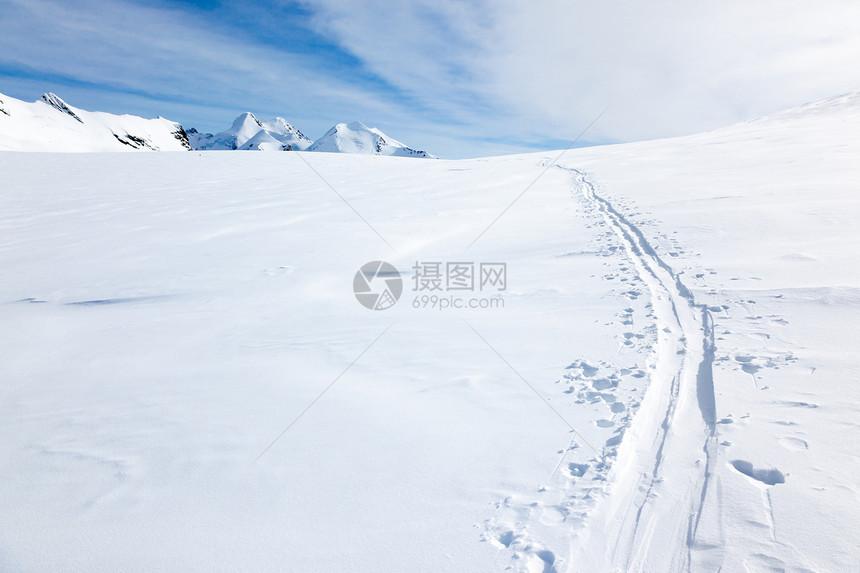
(245, 127)
(262, 141)
(283, 131)
(356, 137)
(52, 124)
(762, 214)
(249, 133)
(684, 309)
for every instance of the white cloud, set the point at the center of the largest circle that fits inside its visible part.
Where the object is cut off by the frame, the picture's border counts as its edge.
(469, 77)
(166, 54)
(663, 68)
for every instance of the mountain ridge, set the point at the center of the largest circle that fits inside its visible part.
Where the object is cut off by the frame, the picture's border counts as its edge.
(29, 126)
(51, 124)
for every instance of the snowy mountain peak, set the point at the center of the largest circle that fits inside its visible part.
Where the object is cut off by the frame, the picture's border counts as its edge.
(356, 137)
(57, 103)
(281, 127)
(61, 127)
(245, 121)
(50, 124)
(248, 132)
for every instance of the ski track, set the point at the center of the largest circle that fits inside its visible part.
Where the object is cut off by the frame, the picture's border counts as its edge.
(666, 461)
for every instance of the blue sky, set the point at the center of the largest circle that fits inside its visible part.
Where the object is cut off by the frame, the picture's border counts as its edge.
(455, 78)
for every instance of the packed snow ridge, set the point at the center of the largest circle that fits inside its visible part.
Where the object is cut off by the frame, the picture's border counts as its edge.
(51, 124)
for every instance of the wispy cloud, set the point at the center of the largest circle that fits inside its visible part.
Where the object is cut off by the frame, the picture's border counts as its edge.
(164, 55)
(457, 78)
(663, 68)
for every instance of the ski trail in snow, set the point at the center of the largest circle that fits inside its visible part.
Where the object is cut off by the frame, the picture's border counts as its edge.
(663, 513)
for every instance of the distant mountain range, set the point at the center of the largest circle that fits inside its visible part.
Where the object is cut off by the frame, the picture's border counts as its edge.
(249, 133)
(50, 124)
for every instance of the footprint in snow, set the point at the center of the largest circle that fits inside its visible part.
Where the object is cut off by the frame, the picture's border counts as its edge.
(766, 476)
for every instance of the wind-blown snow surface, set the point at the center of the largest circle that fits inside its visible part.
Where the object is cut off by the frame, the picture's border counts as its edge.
(688, 306)
(356, 137)
(50, 124)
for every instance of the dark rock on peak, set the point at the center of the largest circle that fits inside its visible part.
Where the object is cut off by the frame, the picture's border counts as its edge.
(55, 102)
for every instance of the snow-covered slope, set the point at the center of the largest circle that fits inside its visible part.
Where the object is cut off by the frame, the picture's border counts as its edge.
(742, 461)
(283, 131)
(189, 383)
(248, 132)
(50, 124)
(356, 137)
(263, 141)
